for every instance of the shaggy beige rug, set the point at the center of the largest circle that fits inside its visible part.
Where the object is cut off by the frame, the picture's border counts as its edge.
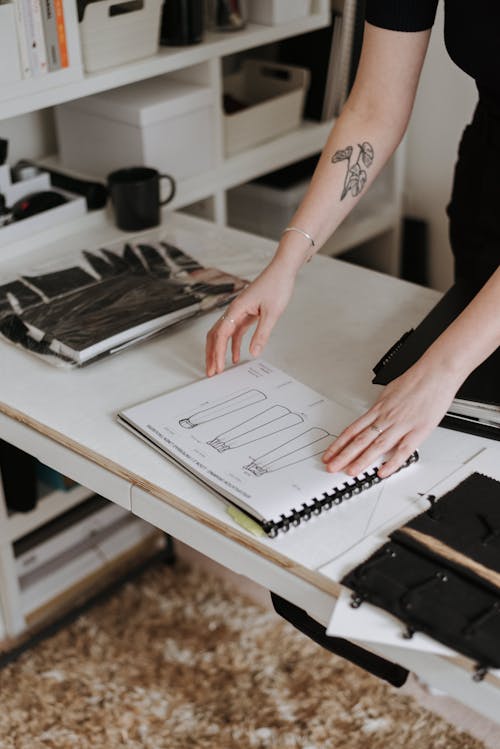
(176, 660)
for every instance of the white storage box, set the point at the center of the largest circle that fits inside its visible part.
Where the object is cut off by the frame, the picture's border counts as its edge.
(262, 209)
(161, 123)
(113, 32)
(272, 12)
(274, 95)
(75, 206)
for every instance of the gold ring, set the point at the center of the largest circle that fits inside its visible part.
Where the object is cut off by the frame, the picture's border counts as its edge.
(229, 319)
(376, 428)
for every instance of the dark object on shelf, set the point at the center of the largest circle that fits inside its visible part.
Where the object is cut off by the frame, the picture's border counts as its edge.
(182, 22)
(18, 471)
(439, 574)
(357, 39)
(415, 250)
(290, 175)
(374, 664)
(311, 51)
(4, 148)
(95, 193)
(5, 215)
(24, 170)
(232, 105)
(229, 15)
(36, 202)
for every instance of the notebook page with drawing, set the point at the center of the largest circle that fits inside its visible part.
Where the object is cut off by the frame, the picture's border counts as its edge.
(256, 436)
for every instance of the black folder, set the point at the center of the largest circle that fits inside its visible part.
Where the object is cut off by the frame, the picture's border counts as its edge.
(483, 384)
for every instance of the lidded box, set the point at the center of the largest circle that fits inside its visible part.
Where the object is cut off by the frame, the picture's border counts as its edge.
(160, 122)
(272, 12)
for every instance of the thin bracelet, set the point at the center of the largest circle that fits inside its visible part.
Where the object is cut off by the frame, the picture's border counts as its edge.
(300, 231)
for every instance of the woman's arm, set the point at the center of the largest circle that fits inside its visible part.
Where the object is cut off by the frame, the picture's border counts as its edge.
(413, 404)
(365, 135)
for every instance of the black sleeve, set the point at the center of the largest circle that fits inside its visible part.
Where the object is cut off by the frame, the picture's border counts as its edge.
(401, 15)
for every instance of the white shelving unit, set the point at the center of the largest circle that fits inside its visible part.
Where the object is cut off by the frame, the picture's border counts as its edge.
(200, 64)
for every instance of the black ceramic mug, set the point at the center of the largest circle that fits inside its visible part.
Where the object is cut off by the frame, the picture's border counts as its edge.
(135, 195)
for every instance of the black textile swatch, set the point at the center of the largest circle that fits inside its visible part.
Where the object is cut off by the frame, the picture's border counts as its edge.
(24, 295)
(467, 519)
(61, 281)
(428, 596)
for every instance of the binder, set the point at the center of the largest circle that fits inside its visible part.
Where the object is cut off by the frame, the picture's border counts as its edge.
(440, 573)
(476, 408)
(255, 435)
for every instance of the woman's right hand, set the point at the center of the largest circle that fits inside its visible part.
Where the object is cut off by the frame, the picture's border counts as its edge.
(262, 302)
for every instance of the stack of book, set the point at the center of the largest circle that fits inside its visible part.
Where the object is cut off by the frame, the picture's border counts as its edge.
(41, 36)
(109, 300)
(75, 546)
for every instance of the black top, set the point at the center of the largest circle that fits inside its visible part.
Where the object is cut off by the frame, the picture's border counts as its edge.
(471, 32)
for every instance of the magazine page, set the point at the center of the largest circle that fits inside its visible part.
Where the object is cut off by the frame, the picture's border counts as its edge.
(107, 298)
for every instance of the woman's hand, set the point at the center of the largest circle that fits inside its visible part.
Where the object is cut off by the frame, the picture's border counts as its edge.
(262, 302)
(401, 418)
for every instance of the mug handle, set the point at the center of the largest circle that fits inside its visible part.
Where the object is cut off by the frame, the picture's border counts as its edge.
(172, 188)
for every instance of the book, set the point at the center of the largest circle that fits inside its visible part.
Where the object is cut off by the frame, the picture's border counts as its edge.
(35, 37)
(51, 34)
(61, 33)
(112, 299)
(476, 407)
(78, 525)
(254, 435)
(22, 41)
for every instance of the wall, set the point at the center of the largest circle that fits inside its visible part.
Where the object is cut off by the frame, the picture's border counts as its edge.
(30, 136)
(444, 105)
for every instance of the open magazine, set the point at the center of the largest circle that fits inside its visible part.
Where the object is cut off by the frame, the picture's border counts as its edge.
(111, 298)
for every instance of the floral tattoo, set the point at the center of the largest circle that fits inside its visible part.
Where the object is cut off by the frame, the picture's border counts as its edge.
(355, 178)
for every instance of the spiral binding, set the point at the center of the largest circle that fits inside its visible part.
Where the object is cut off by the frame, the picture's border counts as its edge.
(328, 500)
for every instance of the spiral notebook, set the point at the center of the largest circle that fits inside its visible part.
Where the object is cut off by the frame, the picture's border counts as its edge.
(255, 435)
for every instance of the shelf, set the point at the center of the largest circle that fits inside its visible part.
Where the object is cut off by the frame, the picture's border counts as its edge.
(375, 215)
(167, 60)
(298, 144)
(49, 506)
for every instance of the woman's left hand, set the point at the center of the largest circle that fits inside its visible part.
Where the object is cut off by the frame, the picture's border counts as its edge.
(401, 418)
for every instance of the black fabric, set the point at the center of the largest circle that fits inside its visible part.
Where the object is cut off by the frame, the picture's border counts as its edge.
(401, 15)
(482, 385)
(474, 207)
(429, 596)
(374, 664)
(18, 475)
(433, 590)
(471, 32)
(467, 519)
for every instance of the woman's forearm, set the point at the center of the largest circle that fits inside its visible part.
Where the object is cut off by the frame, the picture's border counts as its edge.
(364, 137)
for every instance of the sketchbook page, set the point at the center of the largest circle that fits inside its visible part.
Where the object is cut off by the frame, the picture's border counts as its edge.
(254, 432)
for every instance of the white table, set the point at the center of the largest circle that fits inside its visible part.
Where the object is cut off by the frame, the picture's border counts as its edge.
(341, 319)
